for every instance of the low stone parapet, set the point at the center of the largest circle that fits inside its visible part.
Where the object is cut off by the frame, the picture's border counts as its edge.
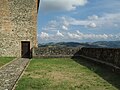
(61, 52)
(108, 55)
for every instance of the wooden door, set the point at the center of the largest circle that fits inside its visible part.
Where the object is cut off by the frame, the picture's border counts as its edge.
(25, 49)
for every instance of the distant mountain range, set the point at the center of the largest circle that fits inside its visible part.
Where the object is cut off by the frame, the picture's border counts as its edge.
(107, 44)
(98, 44)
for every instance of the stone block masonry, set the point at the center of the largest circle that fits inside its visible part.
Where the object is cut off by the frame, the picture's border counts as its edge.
(108, 55)
(45, 52)
(18, 22)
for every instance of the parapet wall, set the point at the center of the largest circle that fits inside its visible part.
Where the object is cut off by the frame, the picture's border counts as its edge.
(54, 52)
(108, 55)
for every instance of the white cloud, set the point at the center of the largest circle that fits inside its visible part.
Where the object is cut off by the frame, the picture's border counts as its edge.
(55, 25)
(107, 20)
(64, 21)
(51, 26)
(44, 35)
(93, 17)
(64, 27)
(92, 25)
(111, 16)
(81, 36)
(61, 5)
(59, 34)
(77, 36)
(74, 36)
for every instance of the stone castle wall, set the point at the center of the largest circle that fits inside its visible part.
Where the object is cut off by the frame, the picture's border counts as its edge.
(18, 22)
(54, 52)
(108, 55)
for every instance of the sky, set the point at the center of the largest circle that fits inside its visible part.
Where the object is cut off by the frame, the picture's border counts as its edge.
(78, 21)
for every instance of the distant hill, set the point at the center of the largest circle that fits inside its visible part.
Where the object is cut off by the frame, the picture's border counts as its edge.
(67, 44)
(98, 44)
(107, 44)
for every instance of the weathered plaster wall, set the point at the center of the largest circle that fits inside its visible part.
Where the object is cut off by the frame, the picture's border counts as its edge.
(18, 22)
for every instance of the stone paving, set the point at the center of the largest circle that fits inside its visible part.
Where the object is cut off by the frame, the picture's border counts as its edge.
(10, 73)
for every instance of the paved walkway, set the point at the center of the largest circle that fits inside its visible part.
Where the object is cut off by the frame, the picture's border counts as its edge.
(10, 73)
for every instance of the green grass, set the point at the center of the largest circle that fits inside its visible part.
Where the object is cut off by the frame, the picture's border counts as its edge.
(67, 74)
(4, 60)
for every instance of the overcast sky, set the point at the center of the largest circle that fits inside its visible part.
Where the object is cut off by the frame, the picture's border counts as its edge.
(78, 20)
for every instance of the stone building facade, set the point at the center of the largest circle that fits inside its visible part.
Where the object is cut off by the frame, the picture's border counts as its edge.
(18, 26)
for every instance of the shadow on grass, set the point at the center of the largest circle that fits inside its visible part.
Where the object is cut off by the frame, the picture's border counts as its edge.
(102, 70)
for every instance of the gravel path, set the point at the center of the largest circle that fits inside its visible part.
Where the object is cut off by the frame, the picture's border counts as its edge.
(10, 73)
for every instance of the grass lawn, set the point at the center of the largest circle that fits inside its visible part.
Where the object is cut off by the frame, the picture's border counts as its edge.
(4, 60)
(67, 74)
